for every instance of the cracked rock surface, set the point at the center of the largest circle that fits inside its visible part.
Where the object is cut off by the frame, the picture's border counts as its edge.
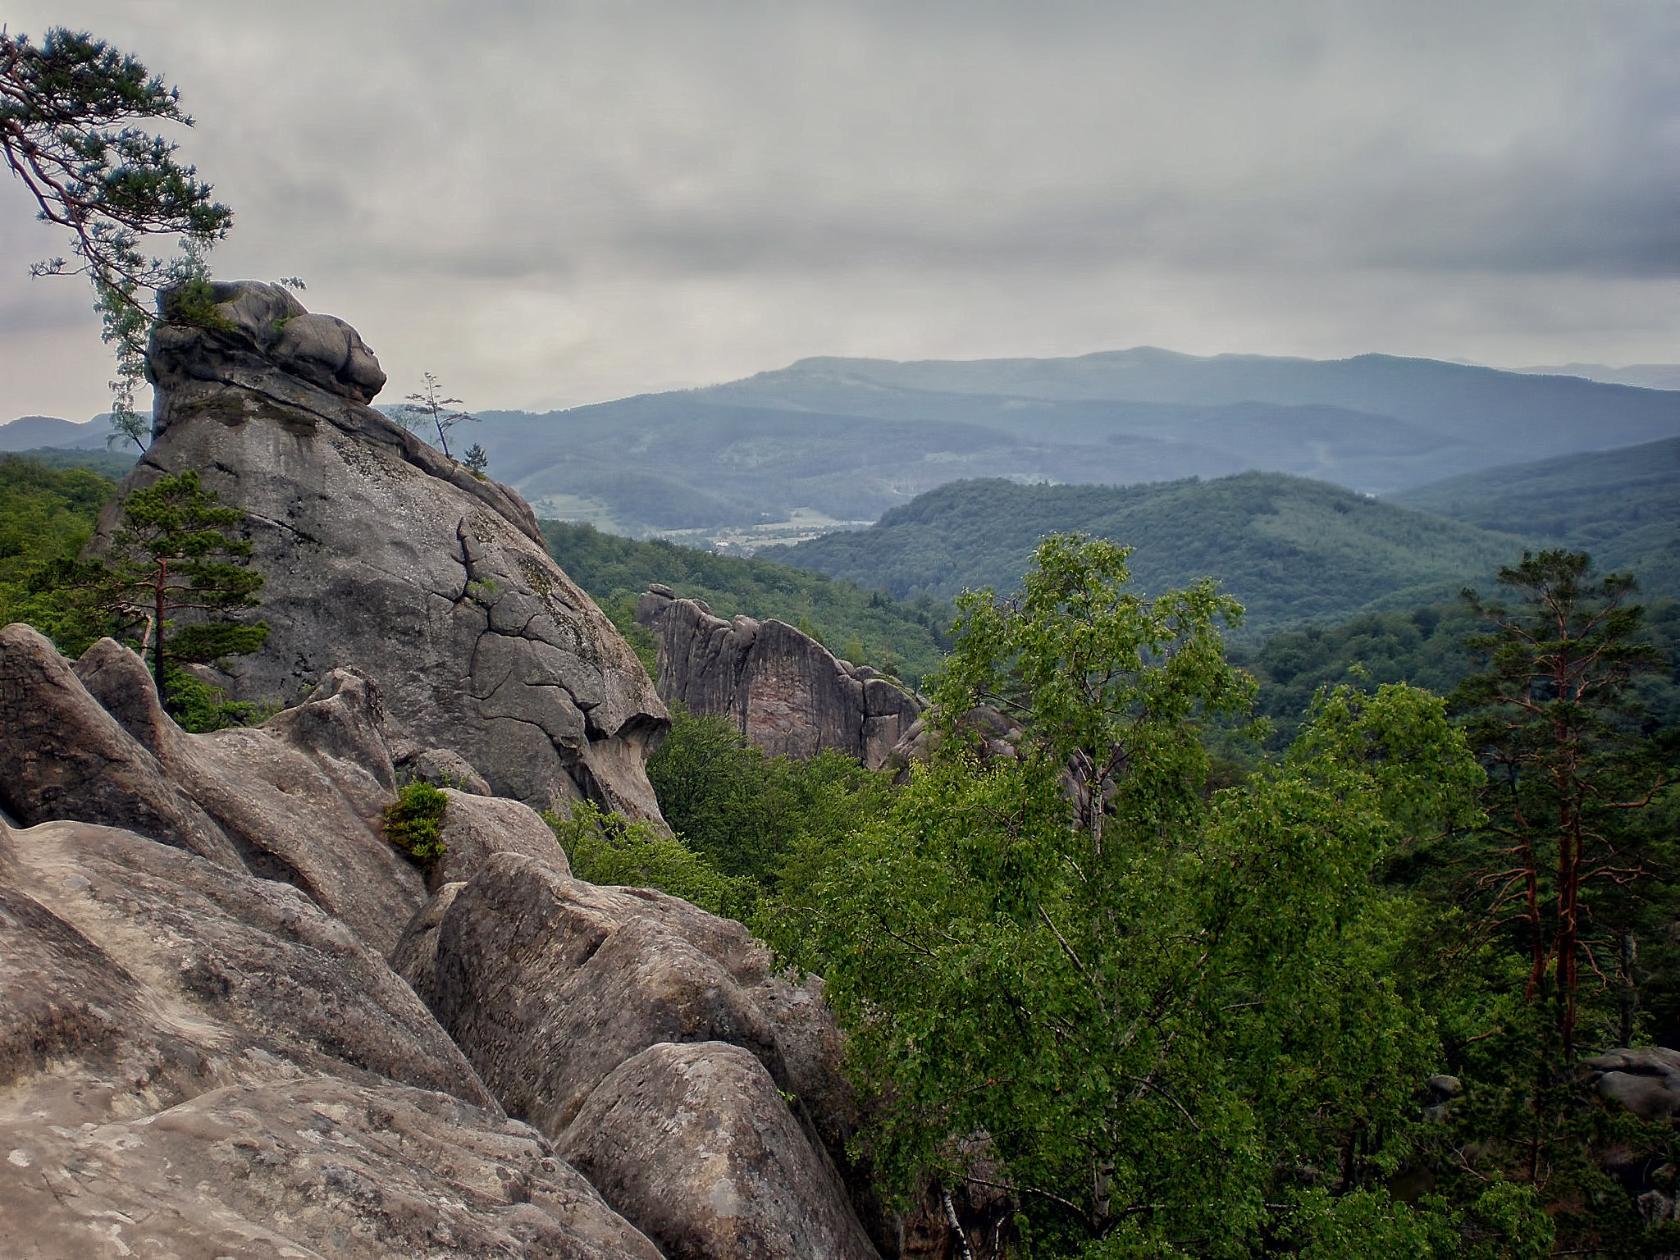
(787, 693)
(198, 1062)
(698, 1088)
(382, 554)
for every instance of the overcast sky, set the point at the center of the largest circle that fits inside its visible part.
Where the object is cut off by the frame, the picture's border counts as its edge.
(550, 203)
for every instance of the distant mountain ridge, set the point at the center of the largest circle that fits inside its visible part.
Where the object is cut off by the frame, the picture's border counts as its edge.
(1646, 375)
(28, 432)
(1458, 401)
(829, 442)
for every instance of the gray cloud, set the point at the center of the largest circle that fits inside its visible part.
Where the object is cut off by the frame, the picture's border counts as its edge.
(550, 203)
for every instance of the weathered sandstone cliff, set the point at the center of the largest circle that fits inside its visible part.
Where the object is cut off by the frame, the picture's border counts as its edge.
(788, 693)
(203, 1050)
(383, 555)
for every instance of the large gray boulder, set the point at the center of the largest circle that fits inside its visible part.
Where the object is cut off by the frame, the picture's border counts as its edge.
(1644, 1079)
(694, 1143)
(787, 693)
(198, 1062)
(382, 554)
(476, 828)
(550, 986)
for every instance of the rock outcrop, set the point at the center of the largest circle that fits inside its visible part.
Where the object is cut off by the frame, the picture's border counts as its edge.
(694, 1143)
(195, 1061)
(788, 694)
(203, 1050)
(297, 799)
(621, 1022)
(384, 555)
(1644, 1079)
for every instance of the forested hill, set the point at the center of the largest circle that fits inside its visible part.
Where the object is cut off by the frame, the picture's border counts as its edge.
(1292, 550)
(1622, 506)
(863, 626)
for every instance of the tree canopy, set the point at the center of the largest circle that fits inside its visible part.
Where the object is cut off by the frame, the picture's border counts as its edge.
(1158, 1019)
(75, 115)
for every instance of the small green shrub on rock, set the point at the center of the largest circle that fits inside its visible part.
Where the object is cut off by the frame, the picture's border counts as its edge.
(414, 822)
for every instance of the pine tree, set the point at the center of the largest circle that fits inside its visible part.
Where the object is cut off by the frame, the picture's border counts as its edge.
(443, 414)
(176, 552)
(72, 110)
(1553, 716)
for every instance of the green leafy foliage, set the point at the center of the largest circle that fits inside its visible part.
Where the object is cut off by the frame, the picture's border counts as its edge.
(199, 706)
(1178, 1019)
(176, 550)
(605, 848)
(193, 301)
(414, 821)
(71, 115)
(738, 815)
(1424, 647)
(111, 465)
(907, 640)
(47, 516)
(744, 811)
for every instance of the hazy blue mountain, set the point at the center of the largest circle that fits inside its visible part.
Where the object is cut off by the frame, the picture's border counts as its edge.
(1645, 375)
(28, 432)
(850, 438)
(1483, 407)
(691, 461)
(829, 442)
(1623, 506)
(1290, 549)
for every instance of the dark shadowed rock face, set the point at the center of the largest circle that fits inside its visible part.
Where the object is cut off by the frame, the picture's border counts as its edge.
(788, 694)
(198, 1062)
(382, 554)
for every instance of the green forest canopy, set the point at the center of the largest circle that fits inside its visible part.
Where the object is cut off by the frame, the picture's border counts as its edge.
(1290, 549)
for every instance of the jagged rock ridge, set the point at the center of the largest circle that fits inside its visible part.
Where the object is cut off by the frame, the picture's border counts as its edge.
(788, 693)
(200, 1056)
(384, 555)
